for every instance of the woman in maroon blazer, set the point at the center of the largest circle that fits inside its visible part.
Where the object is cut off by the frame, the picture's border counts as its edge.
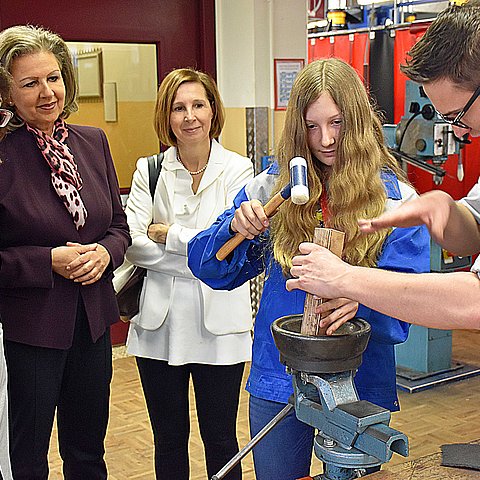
(5, 468)
(62, 233)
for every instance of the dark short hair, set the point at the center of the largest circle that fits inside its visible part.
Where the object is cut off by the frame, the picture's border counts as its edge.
(27, 39)
(450, 48)
(166, 96)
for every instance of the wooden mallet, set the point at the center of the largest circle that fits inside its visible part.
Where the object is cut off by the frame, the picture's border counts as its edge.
(297, 189)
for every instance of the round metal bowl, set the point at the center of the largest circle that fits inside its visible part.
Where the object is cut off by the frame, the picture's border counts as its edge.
(335, 353)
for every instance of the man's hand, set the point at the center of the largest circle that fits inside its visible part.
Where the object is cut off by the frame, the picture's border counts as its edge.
(432, 209)
(318, 271)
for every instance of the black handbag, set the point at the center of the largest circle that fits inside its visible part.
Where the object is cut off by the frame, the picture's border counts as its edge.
(128, 296)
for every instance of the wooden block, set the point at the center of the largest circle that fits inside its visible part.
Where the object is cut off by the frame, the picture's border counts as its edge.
(333, 240)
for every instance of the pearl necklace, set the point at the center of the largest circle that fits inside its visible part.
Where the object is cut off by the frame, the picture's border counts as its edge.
(198, 172)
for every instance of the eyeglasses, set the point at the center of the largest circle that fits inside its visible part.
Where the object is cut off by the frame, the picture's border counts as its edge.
(455, 122)
(5, 117)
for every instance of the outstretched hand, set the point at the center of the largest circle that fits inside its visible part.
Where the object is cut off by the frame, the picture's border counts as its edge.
(431, 209)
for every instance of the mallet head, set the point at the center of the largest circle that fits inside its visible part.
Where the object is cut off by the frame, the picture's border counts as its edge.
(298, 180)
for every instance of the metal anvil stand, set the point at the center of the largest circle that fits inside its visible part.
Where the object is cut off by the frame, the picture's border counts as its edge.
(353, 434)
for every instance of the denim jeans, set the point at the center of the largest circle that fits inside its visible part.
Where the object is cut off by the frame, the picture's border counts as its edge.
(285, 453)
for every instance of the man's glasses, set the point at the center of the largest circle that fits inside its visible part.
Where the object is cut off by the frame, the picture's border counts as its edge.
(5, 117)
(455, 122)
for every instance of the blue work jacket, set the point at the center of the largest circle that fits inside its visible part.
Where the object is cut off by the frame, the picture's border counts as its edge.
(404, 250)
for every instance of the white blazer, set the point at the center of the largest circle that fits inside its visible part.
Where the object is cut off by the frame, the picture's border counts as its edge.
(227, 172)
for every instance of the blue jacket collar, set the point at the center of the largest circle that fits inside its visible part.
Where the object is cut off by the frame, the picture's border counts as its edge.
(392, 186)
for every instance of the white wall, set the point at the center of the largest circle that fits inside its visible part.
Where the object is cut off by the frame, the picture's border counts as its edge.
(250, 34)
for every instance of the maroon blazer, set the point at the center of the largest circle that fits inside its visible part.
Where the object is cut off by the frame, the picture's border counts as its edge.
(37, 306)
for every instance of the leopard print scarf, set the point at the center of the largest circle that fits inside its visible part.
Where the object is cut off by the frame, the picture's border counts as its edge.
(66, 179)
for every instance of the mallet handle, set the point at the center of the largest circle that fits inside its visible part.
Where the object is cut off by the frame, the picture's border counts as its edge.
(270, 208)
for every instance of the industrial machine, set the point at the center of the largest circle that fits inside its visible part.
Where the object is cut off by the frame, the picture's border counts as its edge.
(421, 138)
(425, 359)
(353, 434)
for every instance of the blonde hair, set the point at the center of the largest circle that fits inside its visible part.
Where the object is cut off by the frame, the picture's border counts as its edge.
(166, 96)
(355, 187)
(27, 39)
(5, 82)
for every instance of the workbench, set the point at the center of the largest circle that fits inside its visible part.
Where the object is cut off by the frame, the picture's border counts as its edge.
(423, 468)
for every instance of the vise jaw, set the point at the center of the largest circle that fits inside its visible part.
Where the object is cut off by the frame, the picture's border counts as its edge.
(352, 433)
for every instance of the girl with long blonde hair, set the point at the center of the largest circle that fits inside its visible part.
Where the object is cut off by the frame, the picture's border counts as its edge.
(353, 184)
(331, 123)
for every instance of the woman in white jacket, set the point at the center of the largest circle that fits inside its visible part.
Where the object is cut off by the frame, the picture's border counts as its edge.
(185, 329)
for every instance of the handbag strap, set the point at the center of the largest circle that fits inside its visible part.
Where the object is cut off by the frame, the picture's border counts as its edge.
(154, 168)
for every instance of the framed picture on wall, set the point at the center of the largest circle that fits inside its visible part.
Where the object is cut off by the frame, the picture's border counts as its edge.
(90, 74)
(285, 72)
